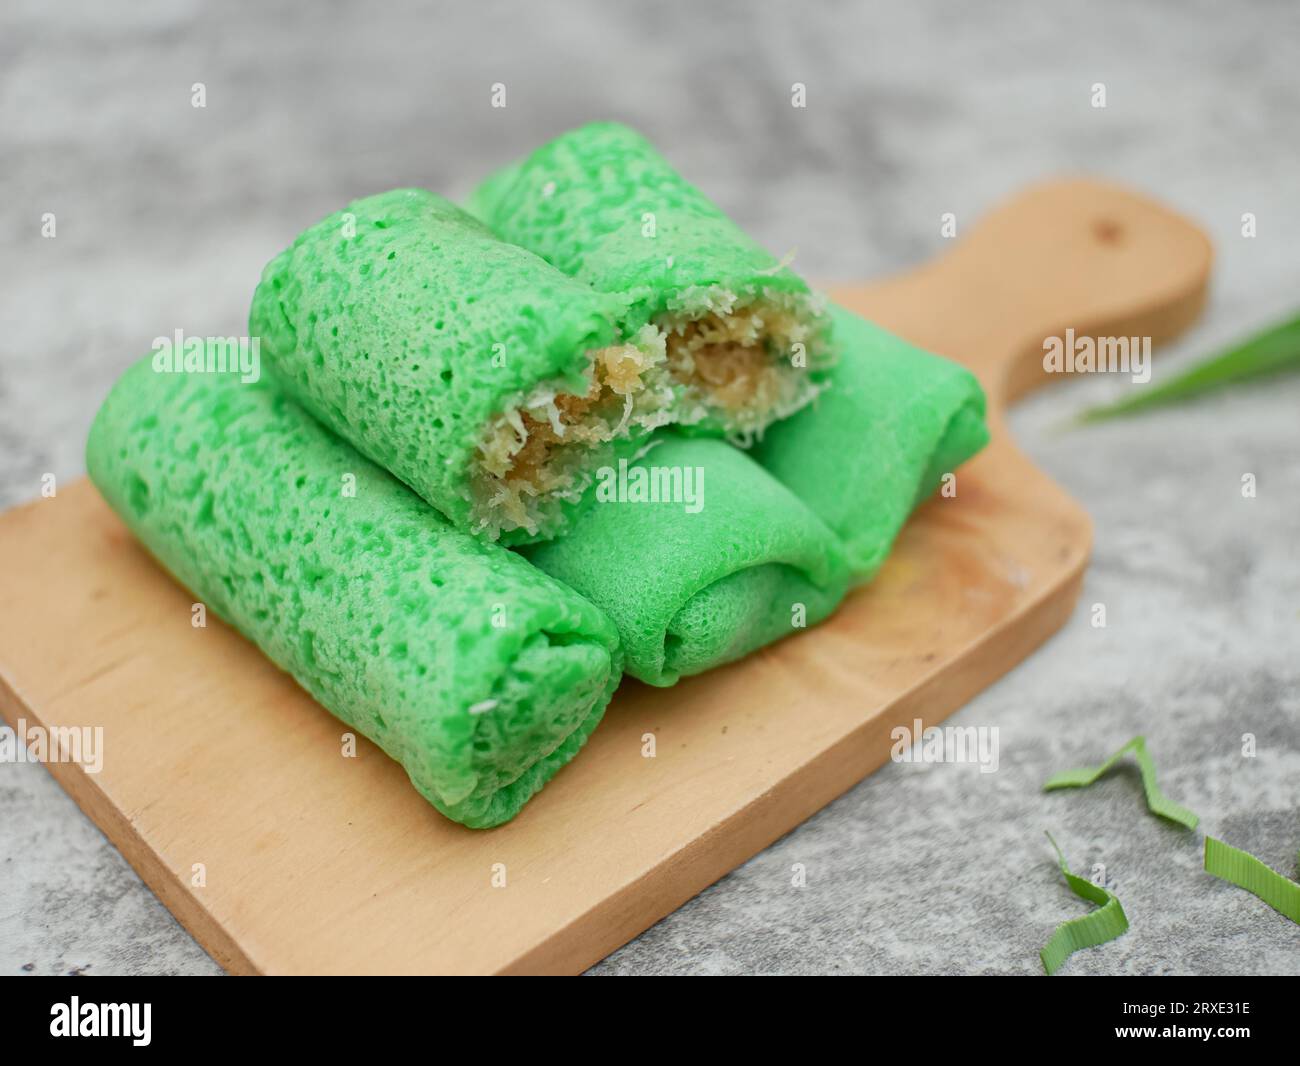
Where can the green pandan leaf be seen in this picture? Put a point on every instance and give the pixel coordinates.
(1088, 930)
(1157, 801)
(1245, 871)
(1274, 351)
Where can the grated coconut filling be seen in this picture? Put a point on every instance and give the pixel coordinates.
(736, 360)
(539, 451)
(724, 359)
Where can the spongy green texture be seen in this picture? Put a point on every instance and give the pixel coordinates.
(879, 440)
(586, 202)
(690, 591)
(405, 326)
(478, 673)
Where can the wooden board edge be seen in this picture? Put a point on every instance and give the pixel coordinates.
(120, 832)
(1024, 373)
(618, 918)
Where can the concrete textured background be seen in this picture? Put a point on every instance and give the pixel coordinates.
(166, 214)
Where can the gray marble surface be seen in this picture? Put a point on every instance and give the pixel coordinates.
(166, 213)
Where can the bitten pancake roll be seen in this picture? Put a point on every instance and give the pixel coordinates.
(478, 673)
(744, 335)
(477, 374)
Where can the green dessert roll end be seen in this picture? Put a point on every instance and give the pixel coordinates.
(478, 673)
(699, 556)
(892, 423)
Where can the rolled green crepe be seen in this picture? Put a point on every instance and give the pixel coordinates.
(478, 673)
(699, 557)
(878, 441)
(486, 380)
(743, 331)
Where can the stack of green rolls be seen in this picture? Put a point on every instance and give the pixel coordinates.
(502, 455)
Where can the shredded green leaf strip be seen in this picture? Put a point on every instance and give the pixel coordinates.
(1274, 350)
(1157, 801)
(1088, 930)
(1245, 871)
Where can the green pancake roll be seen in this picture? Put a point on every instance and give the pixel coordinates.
(486, 380)
(478, 673)
(878, 441)
(745, 336)
(699, 556)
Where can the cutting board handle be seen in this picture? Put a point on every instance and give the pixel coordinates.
(1070, 254)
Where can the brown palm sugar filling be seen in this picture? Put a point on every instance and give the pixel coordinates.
(528, 462)
(739, 365)
(735, 368)
(728, 371)
(533, 450)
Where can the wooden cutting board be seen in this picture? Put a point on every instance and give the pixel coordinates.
(316, 863)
